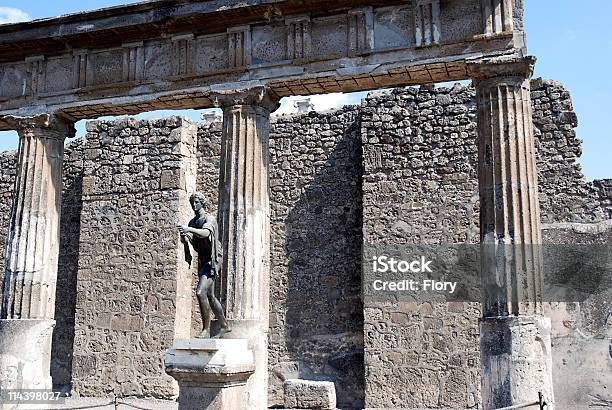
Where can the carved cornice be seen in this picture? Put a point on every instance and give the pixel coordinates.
(41, 125)
(500, 67)
(259, 96)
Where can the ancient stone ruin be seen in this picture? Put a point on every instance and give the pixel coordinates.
(94, 267)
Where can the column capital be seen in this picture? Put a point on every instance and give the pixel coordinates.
(483, 69)
(260, 96)
(52, 125)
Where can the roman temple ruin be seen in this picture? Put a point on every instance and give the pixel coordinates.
(94, 266)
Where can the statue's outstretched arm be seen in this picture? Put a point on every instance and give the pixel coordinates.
(201, 233)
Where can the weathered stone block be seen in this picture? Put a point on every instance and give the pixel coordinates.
(172, 179)
(309, 394)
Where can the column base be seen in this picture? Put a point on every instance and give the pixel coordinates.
(516, 361)
(211, 373)
(256, 333)
(241, 329)
(25, 353)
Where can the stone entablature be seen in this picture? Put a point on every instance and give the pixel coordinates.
(130, 59)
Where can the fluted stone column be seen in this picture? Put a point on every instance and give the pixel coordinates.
(30, 274)
(515, 338)
(244, 220)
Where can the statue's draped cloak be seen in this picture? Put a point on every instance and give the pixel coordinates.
(209, 249)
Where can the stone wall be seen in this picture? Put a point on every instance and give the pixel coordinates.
(582, 328)
(401, 168)
(316, 315)
(316, 320)
(580, 213)
(132, 290)
(420, 187)
(8, 170)
(68, 266)
(565, 195)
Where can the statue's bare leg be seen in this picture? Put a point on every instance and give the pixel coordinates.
(217, 310)
(205, 310)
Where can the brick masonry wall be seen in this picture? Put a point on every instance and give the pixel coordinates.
(68, 266)
(401, 166)
(316, 320)
(582, 330)
(565, 195)
(576, 212)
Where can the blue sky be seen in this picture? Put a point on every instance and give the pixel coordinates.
(570, 38)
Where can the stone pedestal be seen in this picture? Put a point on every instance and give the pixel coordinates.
(25, 353)
(516, 360)
(244, 223)
(212, 373)
(515, 340)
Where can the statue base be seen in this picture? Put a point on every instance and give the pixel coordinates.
(211, 373)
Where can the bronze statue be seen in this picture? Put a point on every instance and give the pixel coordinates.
(201, 233)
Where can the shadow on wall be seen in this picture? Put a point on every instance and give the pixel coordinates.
(322, 247)
(65, 301)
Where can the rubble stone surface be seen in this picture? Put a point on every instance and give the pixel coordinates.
(121, 298)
